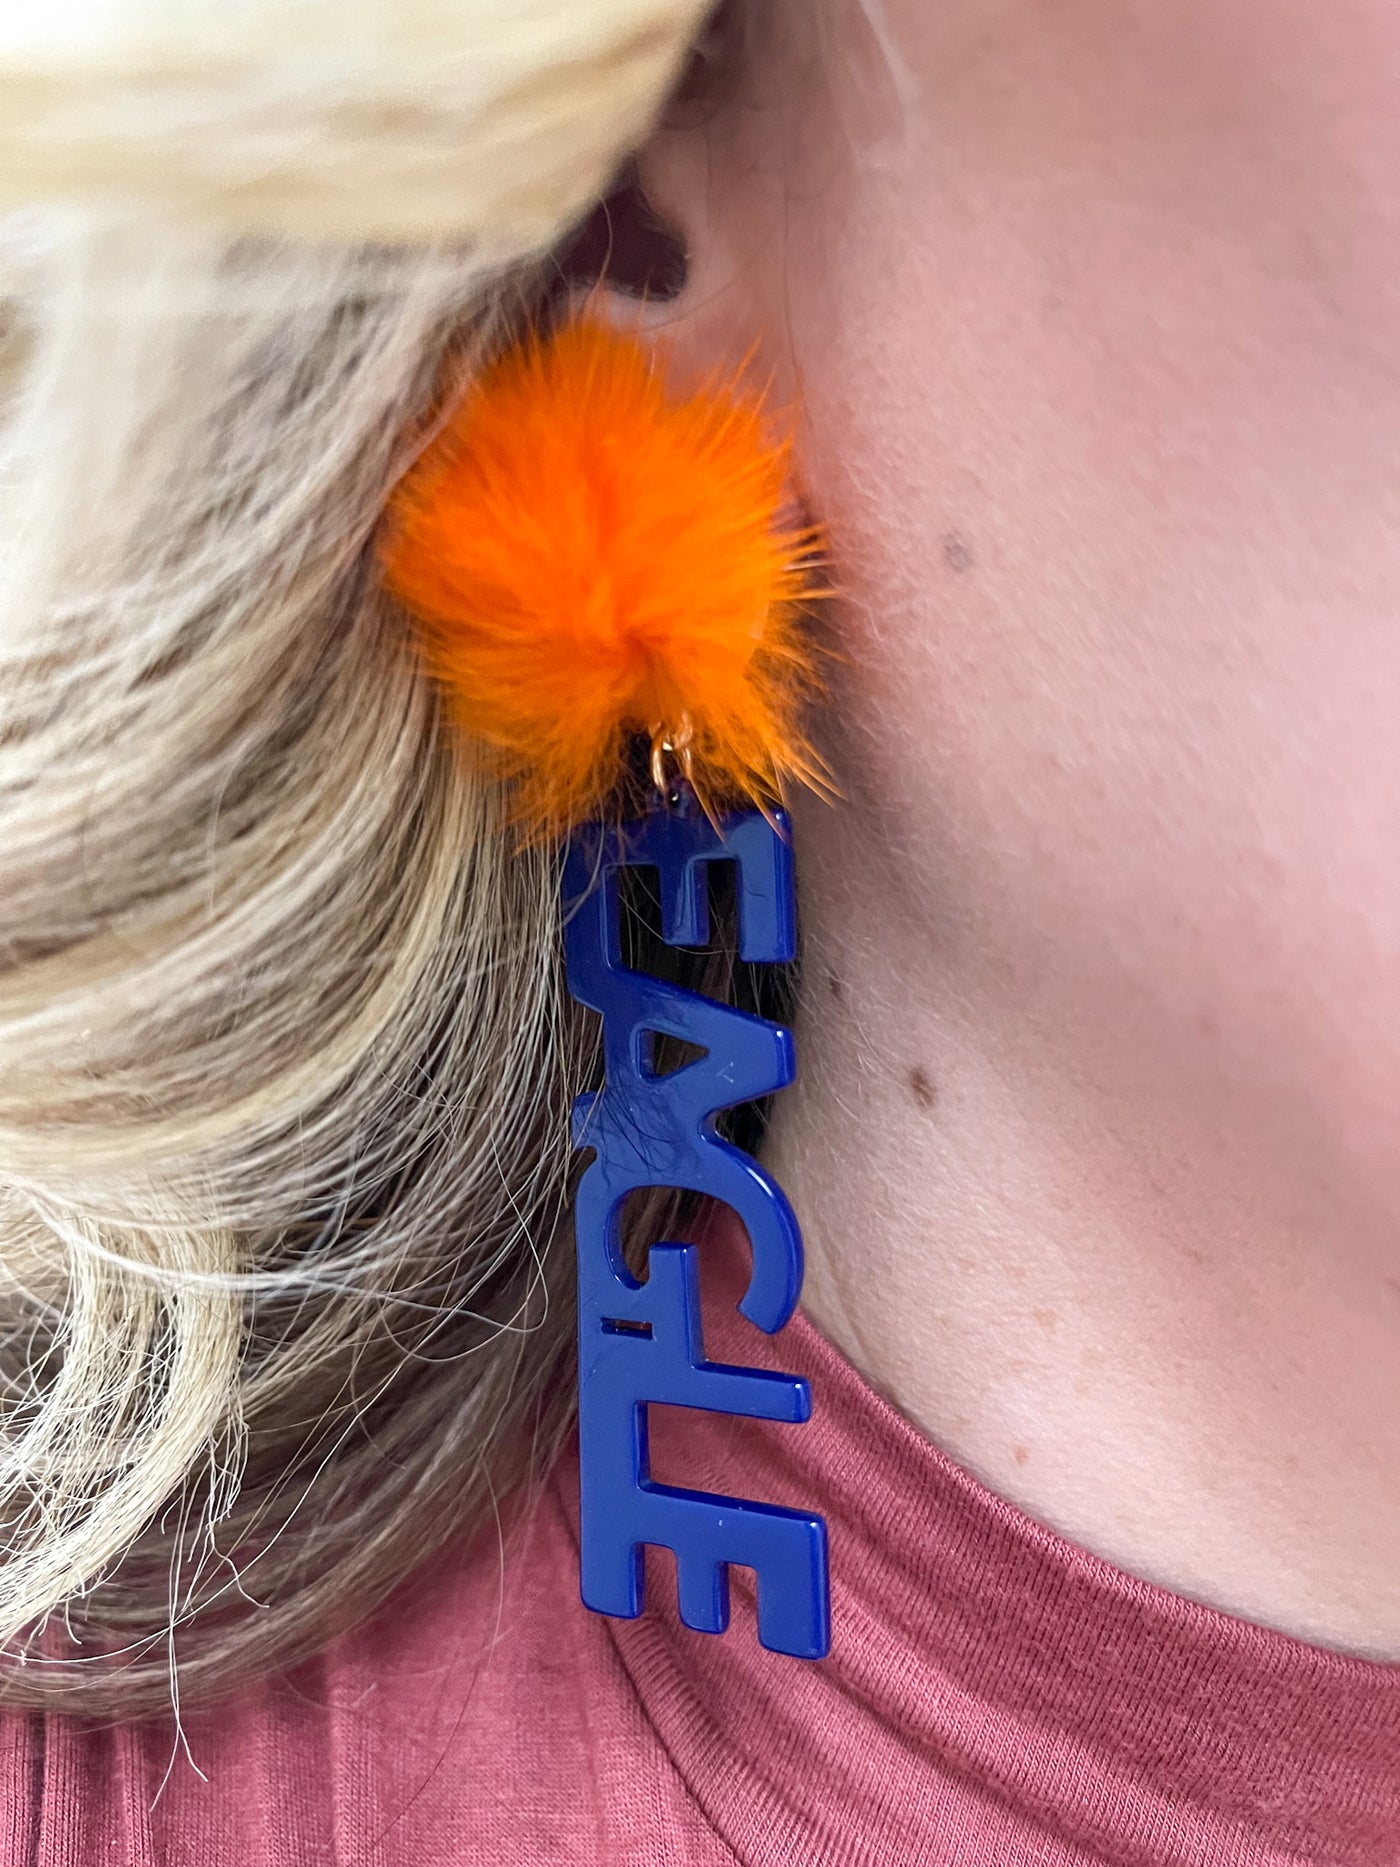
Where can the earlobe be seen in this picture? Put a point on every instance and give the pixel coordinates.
(658, 250)
(657, 259)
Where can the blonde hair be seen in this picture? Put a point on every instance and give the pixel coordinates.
(284, 1057)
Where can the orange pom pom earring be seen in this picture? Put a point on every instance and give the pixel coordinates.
(590, 557)
(593, 560)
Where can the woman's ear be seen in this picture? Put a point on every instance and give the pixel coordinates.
(668, 253)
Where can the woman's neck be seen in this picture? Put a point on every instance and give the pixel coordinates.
(1068, 1266)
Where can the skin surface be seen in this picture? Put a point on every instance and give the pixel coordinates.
(1092, 312)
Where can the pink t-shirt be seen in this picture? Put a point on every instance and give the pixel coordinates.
(995, 1697)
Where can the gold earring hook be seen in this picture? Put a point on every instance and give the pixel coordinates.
(678, 745)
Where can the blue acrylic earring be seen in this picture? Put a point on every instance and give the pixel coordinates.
(594, 560)
(639, 1343)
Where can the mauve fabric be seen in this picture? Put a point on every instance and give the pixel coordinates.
(995, 1697)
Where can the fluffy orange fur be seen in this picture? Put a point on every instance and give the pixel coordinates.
(590, 556)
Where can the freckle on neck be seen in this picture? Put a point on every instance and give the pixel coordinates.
(957, 553)
(922, 1089)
